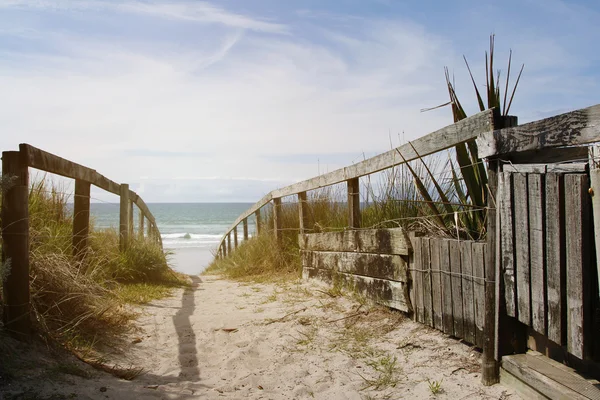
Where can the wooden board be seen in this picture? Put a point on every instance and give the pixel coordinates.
(573, 128)
(417, 278)
(521, 210)
(468, 295)
(577, 218)
(390, 293)
(479, 290)
(555, 259)
(507, 242)
(548, 155)
(545, 168)
(427, 293)
(380, 241)
(436, 283)
(535, 185)
(384, 266)
(457, 291)
(523, 390)
(447, 301)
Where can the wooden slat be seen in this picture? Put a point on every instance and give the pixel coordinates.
(521, 210)
(436, 283)
(535, 185)
(573, 128)
(468, 295)
(479, 290)
(427, 295)
(442, 139)
(390, 293)
(391, 267)
(544, 168)
(507, 242)
(457, 291)
(577, 219)
(42, 160)
(417, 275)
(555, 258)
(523, 390)
(381, 241)
(448, 320)
(548, 155)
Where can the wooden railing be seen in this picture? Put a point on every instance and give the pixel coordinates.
(15, 221)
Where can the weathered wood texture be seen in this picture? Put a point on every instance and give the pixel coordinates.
(417, 277)
(466, 257)
(81, 218)
(383, 266)
(302, 212)
(15, 245)
(457, 291)
(445, 273)
(594, 157)
(354, 219)
(536, 252)
(546, 168)
(382, 241)
(573, 128)
(507, 242)
(258, 222)
(245, 228)
(235, 238)
(478, 252)
(436, 283)
(521, 212)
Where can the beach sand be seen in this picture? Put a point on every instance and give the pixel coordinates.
(190, 260)
(230, 340)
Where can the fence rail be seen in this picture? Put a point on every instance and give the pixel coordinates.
(15, 222)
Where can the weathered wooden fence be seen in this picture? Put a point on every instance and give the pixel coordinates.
(15, 222)
(459, 286)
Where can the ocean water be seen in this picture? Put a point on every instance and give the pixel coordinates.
(190, 231)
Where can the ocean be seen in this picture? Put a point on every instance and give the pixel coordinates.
(190, 231)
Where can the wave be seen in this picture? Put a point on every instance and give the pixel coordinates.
(186, 235)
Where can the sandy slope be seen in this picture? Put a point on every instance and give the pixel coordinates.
(223, 339)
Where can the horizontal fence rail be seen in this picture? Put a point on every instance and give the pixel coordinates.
(15, 222)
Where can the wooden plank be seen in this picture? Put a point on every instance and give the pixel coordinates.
(235, 238)
(548, 155)
(594, 157)
(245, 228)
(417, 278)
(448, 318)
(229, 243)
(507, 242)
(427, 293)
(124, 217)
(521, 210)
(555, 258)
(391, 267)
(354, 219)
(573, 128)
(479, 290)
(389, 293)
(15, 245)
(577, 253)
(380, 241)
(258, 222)
(81, 218)
(436, 283)
(468, 295)
(535, 185)
(45, 161)
(547, 379)
(302, 212)
(457, 291)
(523, 390)
(544, 168)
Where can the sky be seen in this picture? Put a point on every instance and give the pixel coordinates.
(208, 101)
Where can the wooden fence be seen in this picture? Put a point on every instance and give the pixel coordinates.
(15, 222)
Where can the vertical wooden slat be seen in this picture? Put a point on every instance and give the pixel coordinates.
(130, 224)
(555, 258)
(479, 290)
(417, 278)
(235, 238)
(277, 218)
(245, 228)
(457, 291)
(521, 209)
(302, 212)
(15, 244)
(124, 217)
(224, 248)
(141, 224)
(577, 218)
(229, 243)
(427, 295)
(258, 222)
(594, 157)
(81, 218)
(436, 283)
(507, 242)
(354, 218)
(535, 195)
(466, 258)
(149, 230)
(447, 322)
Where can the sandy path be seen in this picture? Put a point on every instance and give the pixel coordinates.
(223, 339)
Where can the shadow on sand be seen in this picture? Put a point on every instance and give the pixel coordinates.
(188, 356)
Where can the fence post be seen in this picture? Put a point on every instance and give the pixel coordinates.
(302, 212)
(131, 227)
(229, 243)
(258, 222)
(224, 248)
(595, 193)
(15, 244)
(354, 218)
(141, 225)
(277, 219)
(245, 224)
(235, 238)
(81, 218)
(124, 217)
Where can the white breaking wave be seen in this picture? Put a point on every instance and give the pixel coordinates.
(185, 235)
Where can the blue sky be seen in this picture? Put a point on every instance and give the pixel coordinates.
(227, 100)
